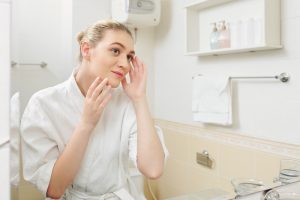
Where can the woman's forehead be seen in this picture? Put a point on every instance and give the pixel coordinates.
(118, 36)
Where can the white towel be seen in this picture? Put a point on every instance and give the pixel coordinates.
(15, 115)
(211, 101)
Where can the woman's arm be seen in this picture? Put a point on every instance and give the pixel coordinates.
(150, 154)
(68, 163)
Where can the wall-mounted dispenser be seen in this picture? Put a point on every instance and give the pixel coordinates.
(136, 13)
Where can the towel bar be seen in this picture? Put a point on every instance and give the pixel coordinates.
(4, 144)
(42, 64)
(283, 77)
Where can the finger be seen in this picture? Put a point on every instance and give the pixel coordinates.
(105, 101)
(104, 92)
(124, 83)
(141, 64)
(135, 64)
(93, 86)
(99, 89)
(131, 75)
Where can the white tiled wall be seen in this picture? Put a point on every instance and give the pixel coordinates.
(4, 97)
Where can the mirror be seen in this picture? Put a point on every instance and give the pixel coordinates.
(44, 52)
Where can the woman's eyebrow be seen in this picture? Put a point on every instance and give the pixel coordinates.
(120, 44)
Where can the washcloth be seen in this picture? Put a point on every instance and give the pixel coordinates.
(211, 101)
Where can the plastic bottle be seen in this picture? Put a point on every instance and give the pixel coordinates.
(258, 31)
(235, 34)
(224, 37)
(214, 37)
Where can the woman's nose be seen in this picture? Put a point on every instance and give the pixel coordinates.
(124, 62)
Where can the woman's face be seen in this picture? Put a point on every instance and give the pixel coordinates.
(111, 57)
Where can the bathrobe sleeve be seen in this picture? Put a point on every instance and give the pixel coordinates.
(39, 149)
(133, 137)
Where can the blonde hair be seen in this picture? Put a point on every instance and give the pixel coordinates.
(95, 33)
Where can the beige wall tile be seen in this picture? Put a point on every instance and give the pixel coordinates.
(174, 181)
(183, 175)
(177, 144)
(28, 191)
(267, 166)
(199, 180)
(225, 184)
(236, 162)
(198, 144)
(14, 193)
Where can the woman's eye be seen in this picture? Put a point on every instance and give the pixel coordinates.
(115, 51)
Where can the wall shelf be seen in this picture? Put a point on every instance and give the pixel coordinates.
(200, 14)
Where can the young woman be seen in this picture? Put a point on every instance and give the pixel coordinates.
(79, 136)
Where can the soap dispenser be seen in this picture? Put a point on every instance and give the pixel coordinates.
(224, 36)
(214, 35)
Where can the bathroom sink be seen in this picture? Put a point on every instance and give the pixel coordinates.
(289, 196)
(210, 194)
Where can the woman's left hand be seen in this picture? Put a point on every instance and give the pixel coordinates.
(136, 89)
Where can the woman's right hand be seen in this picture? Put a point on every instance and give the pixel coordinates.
(97, 97)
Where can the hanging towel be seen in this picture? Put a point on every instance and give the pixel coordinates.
(211, 101)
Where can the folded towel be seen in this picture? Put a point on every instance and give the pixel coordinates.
(211, 101)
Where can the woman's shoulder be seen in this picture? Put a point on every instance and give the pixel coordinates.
(49, 94)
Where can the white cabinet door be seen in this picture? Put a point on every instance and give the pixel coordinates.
(4, 69)
(4, 97)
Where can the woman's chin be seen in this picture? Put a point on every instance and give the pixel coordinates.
(114, 83)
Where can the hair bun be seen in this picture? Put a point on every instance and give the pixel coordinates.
(80, 36)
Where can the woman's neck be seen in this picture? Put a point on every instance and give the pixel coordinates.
(83, 79)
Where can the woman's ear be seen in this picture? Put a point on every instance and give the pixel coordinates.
(85, 50)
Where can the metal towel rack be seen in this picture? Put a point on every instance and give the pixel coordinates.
(283, 77)
(3, 144)
(42, 64)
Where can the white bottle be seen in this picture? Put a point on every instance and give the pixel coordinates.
(214, 37)
(258, 31)
(250, 32)
(235, 34)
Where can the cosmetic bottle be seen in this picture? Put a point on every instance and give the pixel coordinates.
(214, 35)
(258, 31)
(224, 36)
(235, 34)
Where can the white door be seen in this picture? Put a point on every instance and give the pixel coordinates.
(4, 97)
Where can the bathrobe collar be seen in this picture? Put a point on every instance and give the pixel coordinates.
(75, 93)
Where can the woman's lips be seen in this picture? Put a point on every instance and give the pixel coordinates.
(119, 74)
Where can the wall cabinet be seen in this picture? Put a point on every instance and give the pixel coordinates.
(200, 14)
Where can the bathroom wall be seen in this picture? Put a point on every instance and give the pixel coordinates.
(37, 36)
(265, 109)
(234, 156)
(4, 94)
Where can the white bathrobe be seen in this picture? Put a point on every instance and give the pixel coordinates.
(47, 125)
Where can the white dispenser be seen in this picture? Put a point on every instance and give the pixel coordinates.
(136, 13)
